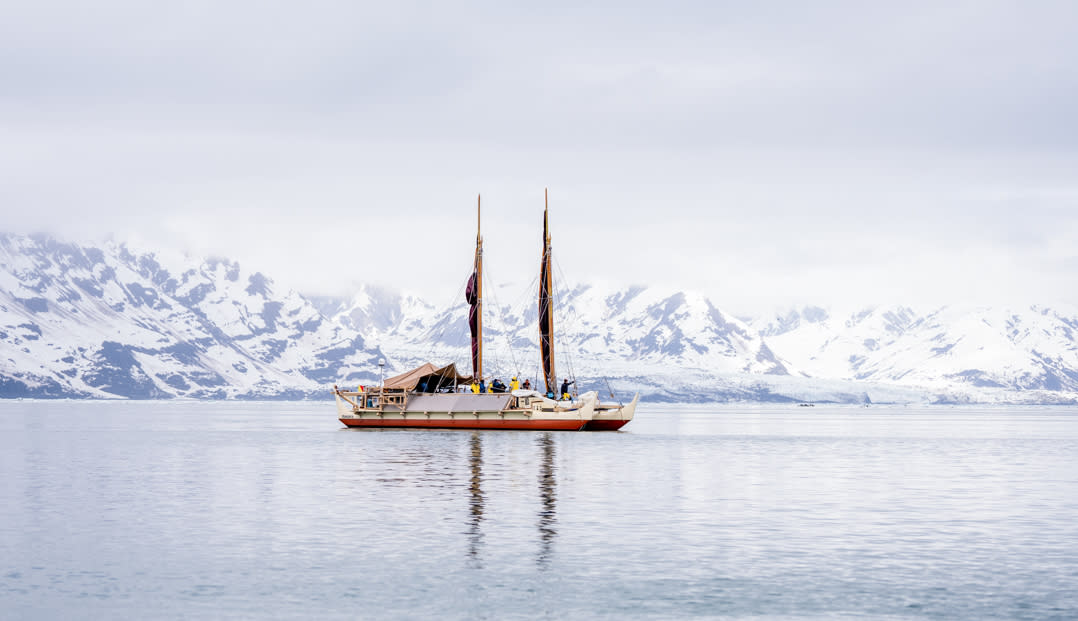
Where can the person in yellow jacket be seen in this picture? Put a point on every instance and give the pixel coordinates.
(475, 387)
(513, 384)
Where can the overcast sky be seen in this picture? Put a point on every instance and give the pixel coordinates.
(767, 153)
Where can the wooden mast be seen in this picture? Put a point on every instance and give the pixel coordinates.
(479, 287)
(546, 306)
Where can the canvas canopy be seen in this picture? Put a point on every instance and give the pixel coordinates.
(429, 374)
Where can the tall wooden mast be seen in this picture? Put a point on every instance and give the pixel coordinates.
(546, 310)
(474, 295)
(478, 371)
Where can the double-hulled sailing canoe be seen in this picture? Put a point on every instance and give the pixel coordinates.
(398, 403)
(434, 397)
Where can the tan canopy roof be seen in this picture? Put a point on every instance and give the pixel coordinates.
(444, 376)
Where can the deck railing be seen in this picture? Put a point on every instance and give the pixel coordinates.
(376, 398)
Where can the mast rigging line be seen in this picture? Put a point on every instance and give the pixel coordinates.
(492, 296)
(556, 306)
(560, 299)
(445, 327)
(458, 330)
(611, 391)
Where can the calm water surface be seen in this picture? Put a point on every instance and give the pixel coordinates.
(166, 510)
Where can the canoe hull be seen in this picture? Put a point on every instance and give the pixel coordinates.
(464, 423)
(614, 419)
(604, 425)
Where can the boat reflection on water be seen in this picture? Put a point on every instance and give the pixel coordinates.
(547, 499)
(475, 533)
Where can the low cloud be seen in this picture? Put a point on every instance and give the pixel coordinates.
(771, 153)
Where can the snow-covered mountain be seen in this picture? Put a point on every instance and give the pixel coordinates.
(1033, 348)
(110, 320)
(679, 346)
(672, 344)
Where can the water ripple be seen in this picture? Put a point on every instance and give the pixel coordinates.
(270, 510)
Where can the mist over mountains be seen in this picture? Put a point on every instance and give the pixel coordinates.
(109, 321)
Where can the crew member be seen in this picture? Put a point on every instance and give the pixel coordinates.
(565, 388)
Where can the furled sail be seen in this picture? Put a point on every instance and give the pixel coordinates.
(473, 294)
(472, 297)
(546, 311)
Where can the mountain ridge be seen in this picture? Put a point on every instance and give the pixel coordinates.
(112, 321)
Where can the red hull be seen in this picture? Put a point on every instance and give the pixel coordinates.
(535, 425)
(604, 425)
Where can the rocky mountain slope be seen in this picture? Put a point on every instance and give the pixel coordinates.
(109, 320)
(78, 321)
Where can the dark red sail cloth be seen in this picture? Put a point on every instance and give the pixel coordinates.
(471, 294)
